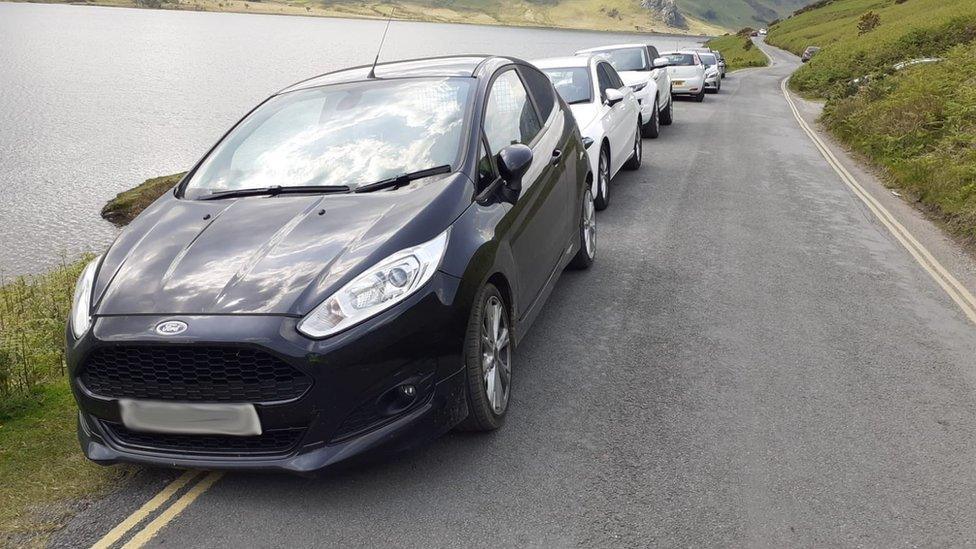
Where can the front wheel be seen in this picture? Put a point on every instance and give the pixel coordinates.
(653, 128)
(637, 154)
(587, 250)
(488, 361)
(602, 199)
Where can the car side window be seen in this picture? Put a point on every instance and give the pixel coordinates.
(603, 77)
(652, 53)
(510, 117)
(541, 89)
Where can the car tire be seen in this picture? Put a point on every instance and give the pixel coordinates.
(701, 95)
(587, 252)
(637, 154)
(487, 362)
(718, 87)
(667, 116)
(653, 127)
(602, 199)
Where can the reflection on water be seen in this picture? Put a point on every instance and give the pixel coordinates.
(95, 100)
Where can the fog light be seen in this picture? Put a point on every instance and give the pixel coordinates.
(408, 390)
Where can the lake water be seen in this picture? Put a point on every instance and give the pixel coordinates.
(95, 100)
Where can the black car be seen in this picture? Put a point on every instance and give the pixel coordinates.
(346, 272)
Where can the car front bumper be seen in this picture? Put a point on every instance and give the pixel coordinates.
(345, 411)
(711, 82)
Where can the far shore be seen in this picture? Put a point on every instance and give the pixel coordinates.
(273, 7)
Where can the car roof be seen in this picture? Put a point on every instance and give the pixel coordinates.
(682, 52)
(458, 66)
(564, 62)
(611, 47)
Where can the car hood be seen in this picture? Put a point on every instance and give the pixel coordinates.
(265, 255)
(585, 114)
(632, 78)
(686, 72)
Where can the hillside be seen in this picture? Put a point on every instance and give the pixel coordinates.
(700, 17)
(916, 123)
(735, 14)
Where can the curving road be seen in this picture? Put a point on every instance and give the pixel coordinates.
(753, 361)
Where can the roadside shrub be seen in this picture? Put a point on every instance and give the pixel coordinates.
(868, 22)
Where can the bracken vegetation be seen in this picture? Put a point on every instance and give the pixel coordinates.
(916, 122)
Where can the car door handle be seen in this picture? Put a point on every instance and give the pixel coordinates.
(557, 157)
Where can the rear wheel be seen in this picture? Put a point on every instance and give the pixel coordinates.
(653, 128)
(488, 361)
(701, 95)
(602, 199)
(667, 115)
(587, 252)
(637, 155)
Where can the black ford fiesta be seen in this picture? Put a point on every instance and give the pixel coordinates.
(347, 271)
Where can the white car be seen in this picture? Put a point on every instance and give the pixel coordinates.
(687, 74)
(606, 111)
(713, 73)
(639, 65)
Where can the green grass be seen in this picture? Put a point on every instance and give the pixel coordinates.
(738, 51)
(42, 470)
(917, 125)
(41, 466)
(122, 209)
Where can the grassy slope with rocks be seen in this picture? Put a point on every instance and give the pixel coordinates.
(918, 124)
(739, 52)
(734, 14)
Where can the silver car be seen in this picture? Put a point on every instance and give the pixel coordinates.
(713, 74)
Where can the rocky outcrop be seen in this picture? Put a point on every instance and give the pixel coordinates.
(668, 11)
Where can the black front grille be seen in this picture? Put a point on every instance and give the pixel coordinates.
(210, 374)
(270, 443)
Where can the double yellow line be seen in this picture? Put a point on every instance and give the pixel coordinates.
(203, 482)
(963, 298)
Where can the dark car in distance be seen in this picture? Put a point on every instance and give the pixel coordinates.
(346, 272)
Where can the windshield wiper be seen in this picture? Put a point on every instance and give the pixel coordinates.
(403, 179)
(276, 190)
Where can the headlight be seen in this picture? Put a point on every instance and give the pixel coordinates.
(81, 303)
(638, 87)
(380, 287)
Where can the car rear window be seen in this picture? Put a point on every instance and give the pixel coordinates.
(573, 84)
(681, 59)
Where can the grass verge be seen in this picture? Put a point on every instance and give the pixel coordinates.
(739, 52)
(42, 472)
(916, 124)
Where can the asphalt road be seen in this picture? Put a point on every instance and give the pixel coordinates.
(753, 361)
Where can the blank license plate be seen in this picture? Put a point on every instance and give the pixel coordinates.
(190, 418)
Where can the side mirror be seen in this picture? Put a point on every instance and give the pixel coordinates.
(613, 96)
(513, 162)
(660, 63)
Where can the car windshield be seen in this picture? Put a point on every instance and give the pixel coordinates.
(708, 59)
(573, 84)
(680, 59)
(627, 59)
(341, 135)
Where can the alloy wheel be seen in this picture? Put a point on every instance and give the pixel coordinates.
(496, 355)
(589, 226)
(639, 147)
(604, 185)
